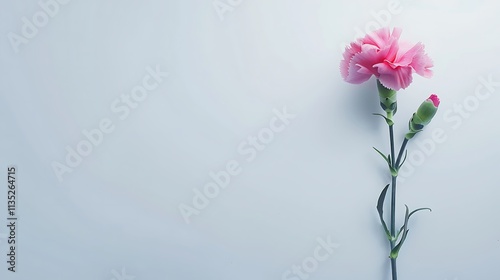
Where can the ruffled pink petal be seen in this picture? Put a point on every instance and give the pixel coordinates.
(390, 52)
(378, 37)
(406, 57)
(396, 33)
(357, 74)
(382, 37)
(421, 63)
(361, 65)
(349, 52)
(395, 79)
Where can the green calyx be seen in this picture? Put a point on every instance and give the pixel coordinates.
(388, 99)
(426, 112)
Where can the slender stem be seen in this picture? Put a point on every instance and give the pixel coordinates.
(393, 225)
(393, 200)
(394, 269)
(393, 196)
(391, 136)
(393, 193)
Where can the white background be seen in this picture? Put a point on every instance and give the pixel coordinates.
(319, 177)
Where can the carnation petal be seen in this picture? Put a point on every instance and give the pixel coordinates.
(395, 79)
(350, 51)
(421, 64)
(382, 37)
(378, 37)
(435, 99)
(405, 58)
(361, 65)
(390, 53)
(357, 74)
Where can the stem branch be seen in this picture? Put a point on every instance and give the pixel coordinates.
(401, 150)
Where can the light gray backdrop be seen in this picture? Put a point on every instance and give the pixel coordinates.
(116, 158)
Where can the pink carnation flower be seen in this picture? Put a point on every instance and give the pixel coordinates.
(382, 55)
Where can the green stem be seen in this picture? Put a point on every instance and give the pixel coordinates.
(393, 194)
(394, 270)
(393, 200)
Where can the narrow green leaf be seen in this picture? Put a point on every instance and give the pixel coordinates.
(387, 120)
(415, 211)
(381, 154)
(419, 209)
(404, 159)
(395, 250)
(380, 209)
(393, 171)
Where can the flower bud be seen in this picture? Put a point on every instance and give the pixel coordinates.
(423, 116)
(387, 99)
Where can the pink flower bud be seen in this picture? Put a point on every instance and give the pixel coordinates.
(435, 100)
